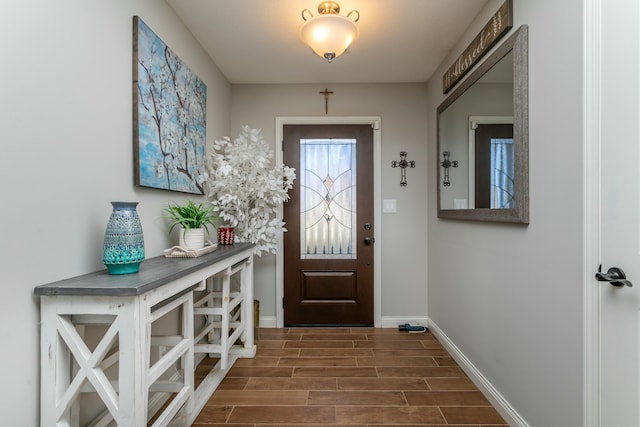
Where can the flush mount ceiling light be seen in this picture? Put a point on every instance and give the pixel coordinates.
(329, 34)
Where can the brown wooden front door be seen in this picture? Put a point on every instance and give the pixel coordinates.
(328, 248)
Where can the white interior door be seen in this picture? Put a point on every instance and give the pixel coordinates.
(620, 217)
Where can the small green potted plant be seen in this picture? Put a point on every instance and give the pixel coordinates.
(194, 218)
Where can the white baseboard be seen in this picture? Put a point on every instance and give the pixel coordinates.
(267, 322)
(510, 415)
(386, 322)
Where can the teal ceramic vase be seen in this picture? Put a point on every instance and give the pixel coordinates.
(123, 241)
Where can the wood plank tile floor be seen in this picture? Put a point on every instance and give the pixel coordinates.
(346, 377)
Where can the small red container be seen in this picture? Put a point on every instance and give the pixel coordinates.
(225, 235)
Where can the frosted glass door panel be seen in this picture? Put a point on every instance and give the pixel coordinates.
(328, 198)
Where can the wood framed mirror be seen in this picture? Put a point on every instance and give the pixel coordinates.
(483, 140)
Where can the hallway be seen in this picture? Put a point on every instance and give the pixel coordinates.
(346, 376)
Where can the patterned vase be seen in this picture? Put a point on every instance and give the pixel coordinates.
(123, 241)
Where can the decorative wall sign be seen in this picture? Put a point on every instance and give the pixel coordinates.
(497, 27)
(169, 115)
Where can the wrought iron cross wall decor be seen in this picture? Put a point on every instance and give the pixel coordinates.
(446, 164)
(403, 164)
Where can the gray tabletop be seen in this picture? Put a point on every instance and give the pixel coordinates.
(154, 272)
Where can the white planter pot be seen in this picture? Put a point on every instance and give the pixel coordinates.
(192, 238)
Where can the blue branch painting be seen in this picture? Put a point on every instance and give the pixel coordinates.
(170, 110)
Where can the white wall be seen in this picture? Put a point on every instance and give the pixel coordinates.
(510, 296)
(402, 108)
(66, 131)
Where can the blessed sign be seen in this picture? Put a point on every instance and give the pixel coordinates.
(497, 26)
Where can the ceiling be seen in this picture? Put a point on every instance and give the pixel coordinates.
(257, 41)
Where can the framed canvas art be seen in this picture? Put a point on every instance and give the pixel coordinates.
(169, 115)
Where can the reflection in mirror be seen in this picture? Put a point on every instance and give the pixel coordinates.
(491, 162)
(483, 126)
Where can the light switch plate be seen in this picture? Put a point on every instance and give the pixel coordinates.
(389, 206)
(460, 203)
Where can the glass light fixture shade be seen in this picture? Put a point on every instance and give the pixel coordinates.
(329, 35)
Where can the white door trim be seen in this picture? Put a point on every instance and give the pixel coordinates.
(591, 130)
(374, 121)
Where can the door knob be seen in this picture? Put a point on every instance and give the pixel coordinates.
(614, 275)
(368, 240)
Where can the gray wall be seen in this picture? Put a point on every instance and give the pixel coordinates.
(66, 126)
(402, 108)
(510, 297)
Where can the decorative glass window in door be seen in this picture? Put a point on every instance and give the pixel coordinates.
(502, 173)
(328, 198)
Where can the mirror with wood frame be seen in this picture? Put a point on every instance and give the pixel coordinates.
(483, 147)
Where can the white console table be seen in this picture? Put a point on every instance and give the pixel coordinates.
(133, 382)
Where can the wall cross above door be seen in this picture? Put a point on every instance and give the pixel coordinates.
(326, 92)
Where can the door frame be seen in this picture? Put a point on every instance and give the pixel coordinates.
(374, 121)
(591, 145)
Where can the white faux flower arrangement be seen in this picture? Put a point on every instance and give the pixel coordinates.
(246, 189)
